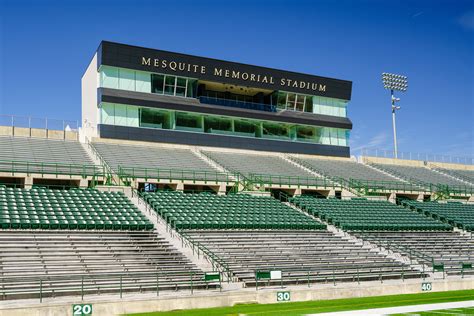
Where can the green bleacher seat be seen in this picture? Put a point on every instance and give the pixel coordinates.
(457, 214)
(41, 208)
(235, 211)
(369, 215)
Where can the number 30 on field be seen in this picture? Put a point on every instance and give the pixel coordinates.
(283, 296)
(81, 309)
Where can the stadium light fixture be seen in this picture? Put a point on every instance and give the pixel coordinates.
(394, 82)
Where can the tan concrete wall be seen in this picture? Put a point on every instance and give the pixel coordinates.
(55, 134)
(21, 131)
(149, 303)
(450, 166)
(39, 132)
(392, 161)
(70, 135)
(415, 163)
(6, 131)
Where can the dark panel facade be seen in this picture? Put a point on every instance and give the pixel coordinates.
(197, 139)
(158, 61)
(193, 105)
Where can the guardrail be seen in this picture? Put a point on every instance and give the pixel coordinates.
(197, 248)
(328, 276)
(111, 283)
(127, 173)
(298, 181)
(369, 152)
(110, 173)
(368, 186)
(391, 245)
(38, 122)
(51, 168)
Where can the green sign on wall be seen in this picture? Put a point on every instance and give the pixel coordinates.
(283, 296)
(81, 309)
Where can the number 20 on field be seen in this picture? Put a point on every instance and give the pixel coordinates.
(81, 309)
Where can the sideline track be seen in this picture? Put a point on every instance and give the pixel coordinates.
(407, 309)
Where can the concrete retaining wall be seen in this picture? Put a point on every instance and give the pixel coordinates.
(149, 303)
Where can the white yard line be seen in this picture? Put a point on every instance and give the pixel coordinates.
(404, 309)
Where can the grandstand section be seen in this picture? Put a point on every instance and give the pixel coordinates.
(62, 240)
(253, 233)
(423, 176)
(353, 174)
(450, 252)
(235, 211)
(455, 213)
(157, 163)
(41, 208)
(465, 175)
(266, 169)
(393, 227)
(303, 256)
(367, 215)
(73, 262)
(47, 159)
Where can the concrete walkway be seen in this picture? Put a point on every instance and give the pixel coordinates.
(407, 309)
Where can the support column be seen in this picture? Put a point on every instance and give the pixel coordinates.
(222, 189)
(28, 182)
(392, 198)
(83, 183)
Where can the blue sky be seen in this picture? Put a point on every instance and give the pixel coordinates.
(46, 46)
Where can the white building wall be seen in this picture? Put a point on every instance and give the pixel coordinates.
(90, 112)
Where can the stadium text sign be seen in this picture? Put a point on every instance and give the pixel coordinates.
(178, 66)
(81, 309)
(283, 296)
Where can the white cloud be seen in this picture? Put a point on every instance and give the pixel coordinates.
(378, 141)
(467, 20)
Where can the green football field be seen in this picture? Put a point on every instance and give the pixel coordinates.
(311, 307)
(439, 312)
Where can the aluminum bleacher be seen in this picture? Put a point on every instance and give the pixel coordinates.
(302, 256)
(350, 171)
(56, 263)
(265, 168)
(252, 233)
(421, 175)
(156, 162)
(465, 175)
(451, 249)
(37, 155)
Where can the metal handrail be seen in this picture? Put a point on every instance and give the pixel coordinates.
(110, 172)
(15, 166)
(195, 245)
(125, 173)
(393, 245)
(368, 185)
(291, 180)
(86, 283)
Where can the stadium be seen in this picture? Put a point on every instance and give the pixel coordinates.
(195, 183)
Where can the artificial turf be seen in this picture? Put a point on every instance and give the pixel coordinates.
(312, 307)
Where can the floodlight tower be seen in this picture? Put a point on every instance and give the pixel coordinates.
(399, 83)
